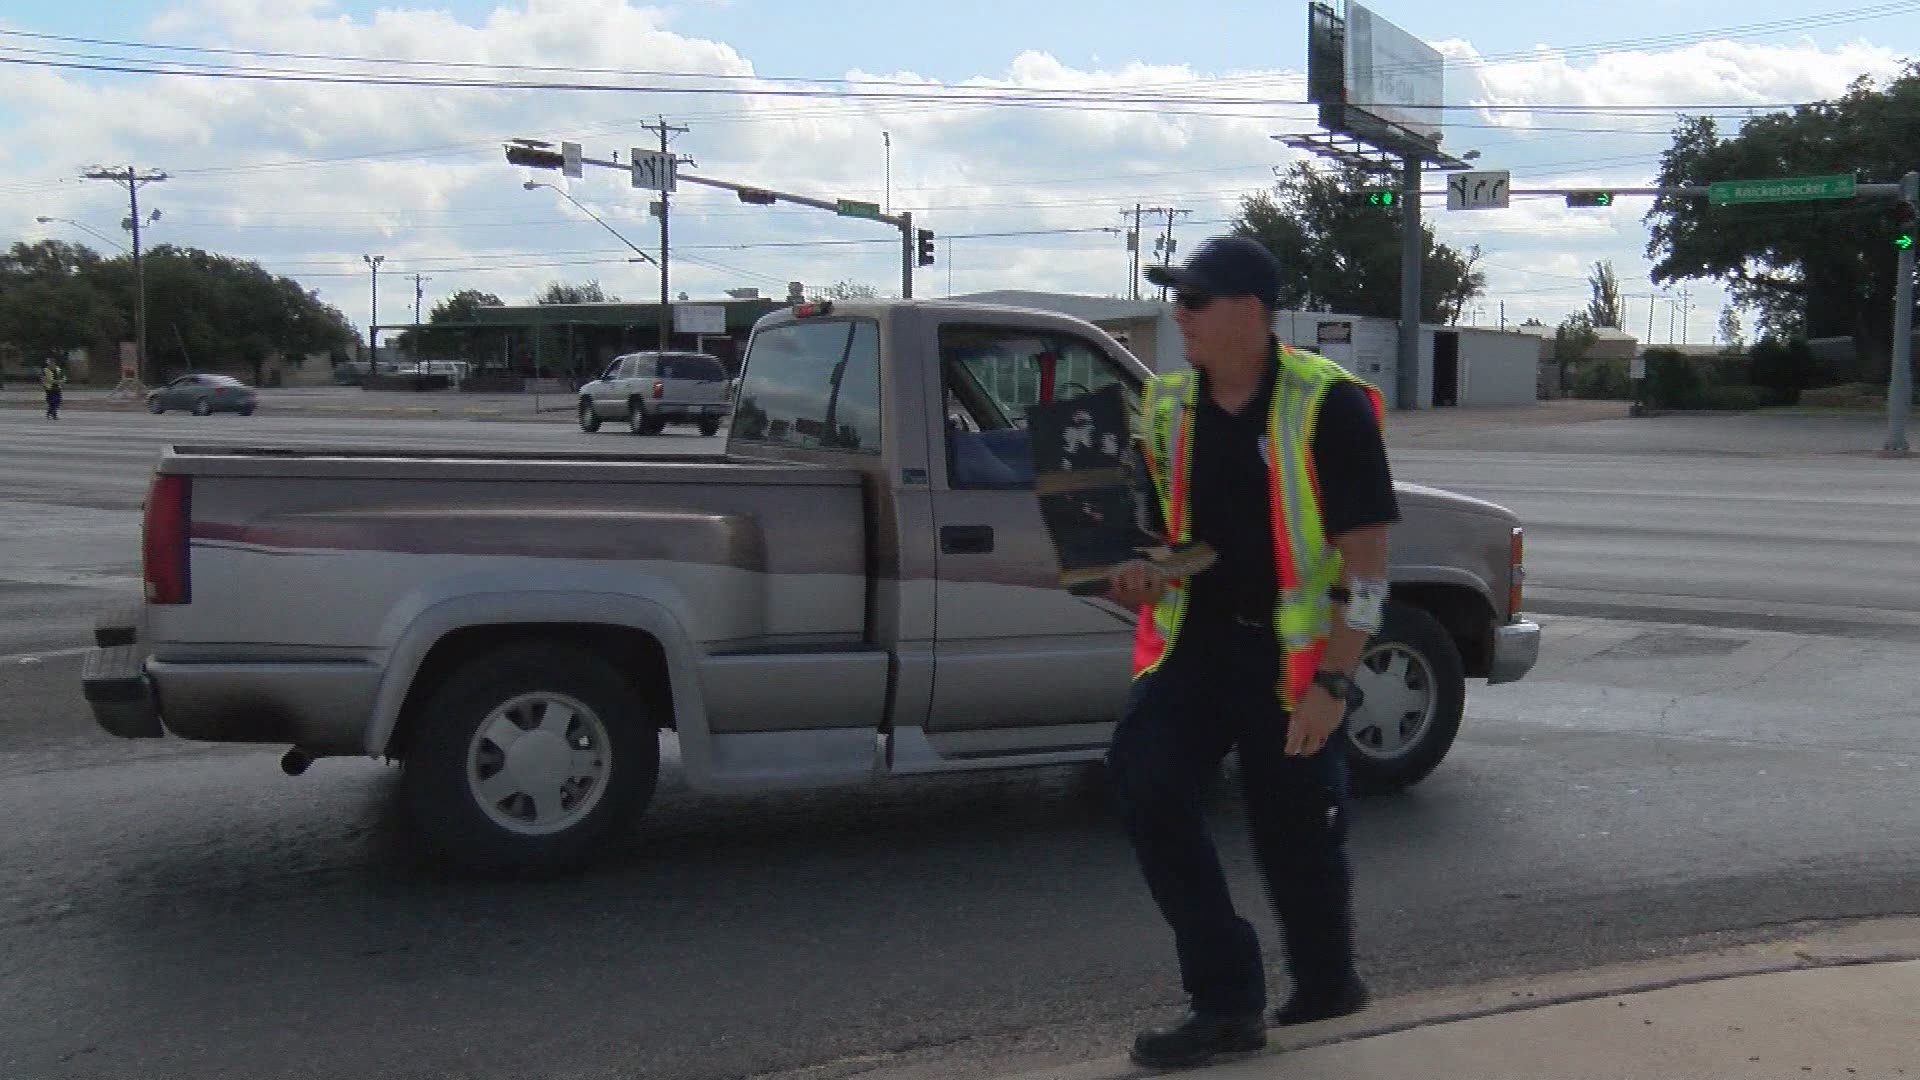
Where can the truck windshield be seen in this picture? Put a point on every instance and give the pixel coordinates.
(812, 384)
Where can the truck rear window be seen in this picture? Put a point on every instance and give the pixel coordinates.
(814, 385)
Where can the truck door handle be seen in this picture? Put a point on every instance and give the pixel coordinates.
(966, 539)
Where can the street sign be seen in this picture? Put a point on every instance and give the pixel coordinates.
(653, 170)
(855, 208)
(1479, 190)
(1791, 189)
(570, 160)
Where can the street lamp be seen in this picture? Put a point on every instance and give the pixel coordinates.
(643, 256)
(373, 317)
(88, 229)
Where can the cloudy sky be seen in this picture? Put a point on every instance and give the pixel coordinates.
(308, 176)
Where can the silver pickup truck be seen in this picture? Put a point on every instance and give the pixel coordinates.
(860, 586)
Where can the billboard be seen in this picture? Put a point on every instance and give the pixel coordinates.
(1374, 81)
(1392, 75)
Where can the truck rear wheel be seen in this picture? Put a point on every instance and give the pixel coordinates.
(526, 759)
(1416, 691)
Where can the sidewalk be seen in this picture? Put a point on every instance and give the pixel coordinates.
(337, 401)
(1839, 1004)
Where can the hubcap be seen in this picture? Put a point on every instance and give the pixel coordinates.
(538, 764)
(1401, 701)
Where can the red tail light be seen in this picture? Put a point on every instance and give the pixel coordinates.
(1516, 583)
(659, 389)
(164, 538)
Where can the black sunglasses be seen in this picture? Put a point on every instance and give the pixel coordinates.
(1194, 301)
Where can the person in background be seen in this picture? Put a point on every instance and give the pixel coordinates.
(53, 379)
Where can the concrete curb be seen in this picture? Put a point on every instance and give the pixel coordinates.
(1878, 941)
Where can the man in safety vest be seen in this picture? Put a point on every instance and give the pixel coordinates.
(1274, 457)
(53, 380)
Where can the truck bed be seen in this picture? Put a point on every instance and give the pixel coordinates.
(373, 463)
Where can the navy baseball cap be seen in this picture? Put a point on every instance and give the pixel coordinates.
(1225, 266)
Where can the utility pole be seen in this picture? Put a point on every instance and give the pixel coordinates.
(1133, 249)
(373, 317)
(907, 253)
(133, 181)
(1900, 380)
(1503, 314)
(418, 292)
(1165, 244)
(887, 137)
(666, 132)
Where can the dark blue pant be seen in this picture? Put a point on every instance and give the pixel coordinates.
(1217, 693)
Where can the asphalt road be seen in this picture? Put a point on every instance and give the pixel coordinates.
(174, 910)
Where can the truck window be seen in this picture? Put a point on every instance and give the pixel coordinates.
(990, 376)
(813, 384)
(695, 367)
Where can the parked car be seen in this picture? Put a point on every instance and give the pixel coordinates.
(650, 390)
(857, 588)
(202, 393)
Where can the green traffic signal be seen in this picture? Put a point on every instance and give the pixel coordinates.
(1375, 197)
(1904, 241)
(1380, 198)
(1589, 198)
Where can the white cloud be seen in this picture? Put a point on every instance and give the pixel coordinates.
(451, 202)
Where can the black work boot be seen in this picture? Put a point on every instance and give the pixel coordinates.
(1198, 1039)
(1309, 1006)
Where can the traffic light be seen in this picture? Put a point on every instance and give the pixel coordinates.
(1371, 197)
(1903, 225)
(926, 247)
(534, 155)
(1589, 198)
(756, 196)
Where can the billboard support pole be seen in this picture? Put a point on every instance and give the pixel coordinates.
(1407, 382)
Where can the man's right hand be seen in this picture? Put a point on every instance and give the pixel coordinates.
(1136, 583)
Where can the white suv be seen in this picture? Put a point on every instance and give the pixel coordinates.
(650, 390)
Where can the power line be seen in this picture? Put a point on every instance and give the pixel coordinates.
(1797, 23)
(1026, 98)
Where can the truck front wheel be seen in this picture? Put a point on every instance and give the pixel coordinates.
(527, 759)
(1416, 691)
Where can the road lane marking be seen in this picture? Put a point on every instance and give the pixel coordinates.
(37, 657)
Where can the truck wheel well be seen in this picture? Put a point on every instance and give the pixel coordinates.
(1466, 615)
(635, 654)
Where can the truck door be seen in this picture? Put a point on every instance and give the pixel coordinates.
(1013, 648)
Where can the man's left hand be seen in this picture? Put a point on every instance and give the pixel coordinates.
(1314, 719)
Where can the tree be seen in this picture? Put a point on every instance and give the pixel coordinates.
(463, 306)
(1336, 257)
(51, 301)
(1606, 308)
(844, 290)
(1573, 339)
(459, 308)
(204, 310)
(559, 292)
(1730, 338)
(213, 311)
(1811, 269)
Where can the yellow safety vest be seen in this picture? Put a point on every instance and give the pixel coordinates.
(1308, 567)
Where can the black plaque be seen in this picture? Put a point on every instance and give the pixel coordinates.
(1094, 506)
